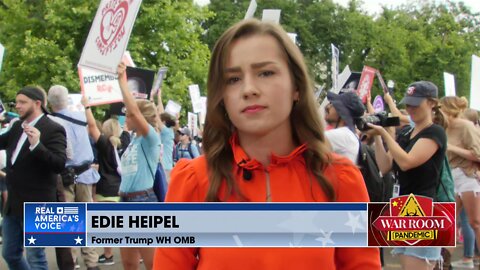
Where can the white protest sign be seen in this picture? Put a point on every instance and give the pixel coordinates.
(75, 103)
(203, 111)
(2, 52)
(195, 97)
(251, 10)
(475, 84)
(99, 87)
(173, 108)
(342, 79)
(335, 66)
(449, 81)
(192, 123)
(109, 34)
(271, 15)
(293, 37)
(159, 80)
(127, 59)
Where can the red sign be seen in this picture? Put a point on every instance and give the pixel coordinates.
(365, 83)
(411, 220)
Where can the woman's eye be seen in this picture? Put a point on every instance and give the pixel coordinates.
(266, 73)
(233, 80)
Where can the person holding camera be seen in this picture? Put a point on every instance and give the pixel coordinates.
(415, 158)
(340, 114)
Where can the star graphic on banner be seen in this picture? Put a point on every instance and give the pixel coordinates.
(298, 224)
(326, 239)
(395, 203)
(31, 240)
(353, 222)
(78, 240)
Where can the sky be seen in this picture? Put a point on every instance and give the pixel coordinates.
(374, 6)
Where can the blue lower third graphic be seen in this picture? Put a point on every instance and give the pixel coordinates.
(55, 224)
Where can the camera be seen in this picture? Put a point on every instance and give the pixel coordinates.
(379, 119)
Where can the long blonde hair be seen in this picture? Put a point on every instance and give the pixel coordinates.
(306, 124)
(111, 129)
(454, 106)
(149, 111)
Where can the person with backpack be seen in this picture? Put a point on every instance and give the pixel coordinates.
(416, 158)
(185, 148)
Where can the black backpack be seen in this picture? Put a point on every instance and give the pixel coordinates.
(377, 185)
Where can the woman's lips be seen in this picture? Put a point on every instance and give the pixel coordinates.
(253, 109)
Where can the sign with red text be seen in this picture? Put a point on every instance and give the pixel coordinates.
(109, 34)
(365, 83)
(410, 220)
(99, 87)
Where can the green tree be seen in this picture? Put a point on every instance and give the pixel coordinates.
(44, 40)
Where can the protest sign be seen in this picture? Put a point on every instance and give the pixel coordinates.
(365, 83)
(475, 84)
(2, 107)
(449, 82)
(271, 15)
(378, 104)
(109, 34)
(140, 81)
(192, 123)
(2, 52)
(173, 108)
(161, 74)
(335, 66)
(203, 111)
(99, 87)
(251, 9)
(127, 59)
(382, 82)
(293, 37)
(194, 91)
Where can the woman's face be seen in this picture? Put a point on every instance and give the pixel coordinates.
(259, 90)
(419, 113)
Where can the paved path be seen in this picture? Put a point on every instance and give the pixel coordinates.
(391, 263)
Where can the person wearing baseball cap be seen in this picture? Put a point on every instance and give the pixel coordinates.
(415, 157)
(340, 114)
(36, 154)
(417, 92)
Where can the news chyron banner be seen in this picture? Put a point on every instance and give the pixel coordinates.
(227, 225)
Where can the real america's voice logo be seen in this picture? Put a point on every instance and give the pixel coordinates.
(62, 224)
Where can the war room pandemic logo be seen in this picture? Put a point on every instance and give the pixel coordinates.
(112, 28)
(411, 220)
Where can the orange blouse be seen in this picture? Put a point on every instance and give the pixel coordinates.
(289, 182)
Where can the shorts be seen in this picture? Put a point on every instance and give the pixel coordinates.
(464, 183)
(430, 254)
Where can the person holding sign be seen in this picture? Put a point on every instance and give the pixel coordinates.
(263, 142)
(138, 162)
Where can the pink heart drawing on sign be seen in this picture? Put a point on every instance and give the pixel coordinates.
(112, 22)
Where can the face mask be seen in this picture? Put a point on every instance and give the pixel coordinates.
(412, 124)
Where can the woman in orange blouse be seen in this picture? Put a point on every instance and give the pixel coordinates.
(263, 142)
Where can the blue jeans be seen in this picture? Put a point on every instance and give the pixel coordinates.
(12, 231)
(468, 236)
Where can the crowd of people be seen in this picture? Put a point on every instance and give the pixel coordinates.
(262, 117)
